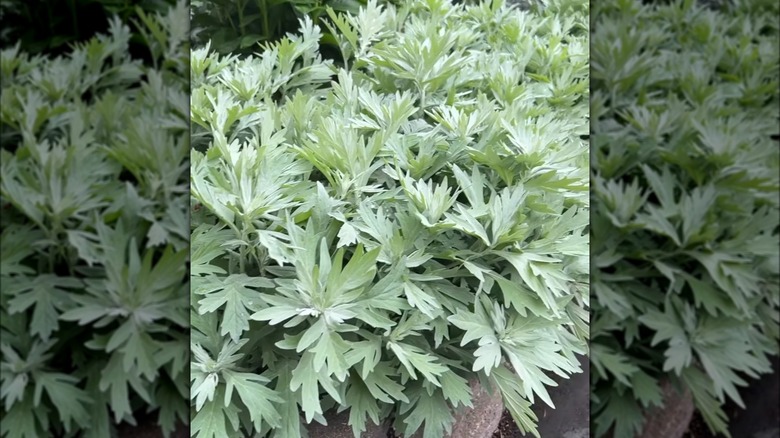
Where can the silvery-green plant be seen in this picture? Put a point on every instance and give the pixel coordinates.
(371, 237)
(94, 301)
(685, 205)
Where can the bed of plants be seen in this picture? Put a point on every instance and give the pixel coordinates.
(370, 236)
(685, 208)
(94, 309)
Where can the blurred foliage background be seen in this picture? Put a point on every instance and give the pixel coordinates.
(236, 26)
(50, 27)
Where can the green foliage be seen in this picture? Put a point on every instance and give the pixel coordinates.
(370, 237)
(94, 305)
(685, 181)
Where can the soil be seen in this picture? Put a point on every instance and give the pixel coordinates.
(507, 428)
(147, 428)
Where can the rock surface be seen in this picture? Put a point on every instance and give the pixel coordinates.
(672, 420)
(479, 421)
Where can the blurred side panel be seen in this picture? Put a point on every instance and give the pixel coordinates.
(685, 115)
(94, 150)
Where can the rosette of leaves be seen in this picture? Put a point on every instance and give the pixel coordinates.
(94, 192)
(370, 237)
(685, 189)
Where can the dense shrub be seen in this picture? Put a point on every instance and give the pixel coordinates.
(685, 205)
(94, 304)
(370, 237)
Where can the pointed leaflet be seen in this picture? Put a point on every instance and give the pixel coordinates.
(695, 208)
(381, 385)
(234, 293)
(606, 360)
(207, 244)
(291, 417)
(658, 221)
(624, 413)
(46, 293)
(116, 381)
(668, 326)
(646, 389)
(612, 299)
(209, 422)
(466, 222)
(173, 409)
(368, 351)
(723, 348)
(361, 404)
(663, 186)
(360, 270)
(330, 353)
(524, 263)
(413, 358)
(15, 248)
(707, 295)
(140, 353)
(204, 387)
(519, 297)
(531, 354)
(455, 389)
(504, 210)
(420, 299)
(309, 381)
(479, 326)
(281, 309)
(20, 421)
(512, 393)
(472, 187)
(706, 401)
(71, 401)
(13, 389)
(431, 409)
(255, 395)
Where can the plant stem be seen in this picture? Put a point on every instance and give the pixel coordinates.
(422, 100)
(74, 18)
(241, 24)
(264, 12)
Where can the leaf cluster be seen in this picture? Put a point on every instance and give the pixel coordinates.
(371, 237)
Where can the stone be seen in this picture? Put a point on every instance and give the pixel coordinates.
(479, 421)
(671, 420)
